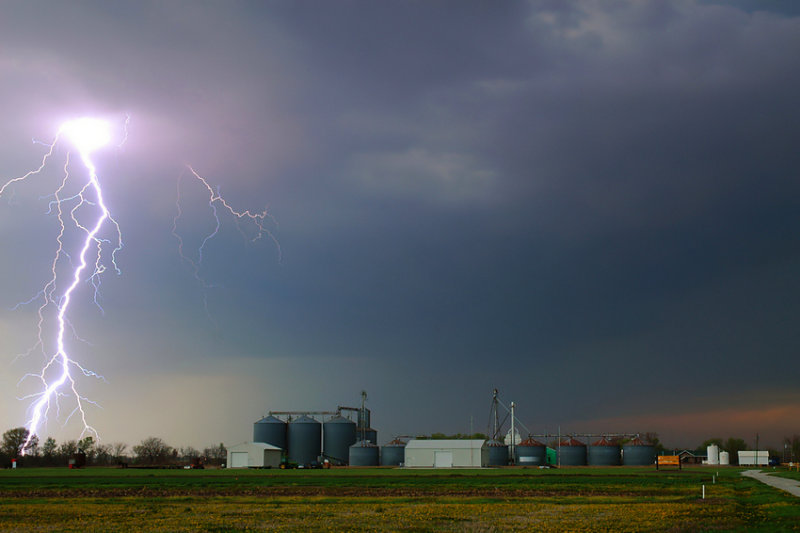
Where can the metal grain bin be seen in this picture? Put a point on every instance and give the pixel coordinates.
(638, 453)
(364, 453)
(367, 434)
(270, 430)
(498, 453)
(530, 452)
(604, 453)
(338, 434)
(552, 457)
(572, 452)
(304, 436)
(394, 453)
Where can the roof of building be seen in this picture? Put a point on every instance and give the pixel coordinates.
(692, 453)
(445, 443)
(250, 445)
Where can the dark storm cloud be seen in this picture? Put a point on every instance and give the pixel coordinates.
(548, 197)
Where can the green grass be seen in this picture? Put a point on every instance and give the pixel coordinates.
(575, 482)
(409, 500)
(793, 474)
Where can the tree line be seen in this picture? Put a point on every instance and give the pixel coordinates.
(152, 451)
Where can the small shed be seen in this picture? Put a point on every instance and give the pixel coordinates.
(450, 453)
(254, 455)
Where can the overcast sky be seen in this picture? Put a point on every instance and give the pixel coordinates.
(591, 206)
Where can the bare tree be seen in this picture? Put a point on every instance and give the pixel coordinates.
(102, 454)
(118, 450)
(189, 453)
(216, 454)
(152, 450)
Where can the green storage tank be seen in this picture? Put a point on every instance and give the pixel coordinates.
(551, 457)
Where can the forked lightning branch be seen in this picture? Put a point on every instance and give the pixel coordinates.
(87, 242)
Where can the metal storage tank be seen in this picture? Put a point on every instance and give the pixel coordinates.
(304, 436)
(604, 453)
(270, 430)
(713, 454)
(338, 434)
(394, 453)
(724, 458)
(572, 452)
(367, 434)
(552, 456)
(638, 453)
(364, 453)
(530, 452)
(498, 453)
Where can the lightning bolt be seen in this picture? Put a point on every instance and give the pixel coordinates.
(86, 214)
(261, 222)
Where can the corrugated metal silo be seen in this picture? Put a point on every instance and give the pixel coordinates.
(304, 438)
(364, 453)
(638, 453)
(338, 434)
(367, 434)
(394, 453)
(572, 452)
(270, 430)
(498, 453)
(530, 452)
(604, 453)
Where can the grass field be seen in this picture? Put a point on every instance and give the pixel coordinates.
(576, 499)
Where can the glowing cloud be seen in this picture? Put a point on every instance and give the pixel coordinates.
(87, 134)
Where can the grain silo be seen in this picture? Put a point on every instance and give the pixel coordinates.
(364, 453)
(304, 436)
(604, 452)
(270, 430)
(338, 434)
(571, 452)
(638, 453)
(367, 434)
(530, 452)
(712, 452)
(393, 453)
(498, 453)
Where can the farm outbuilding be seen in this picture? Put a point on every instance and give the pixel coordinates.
(449, 453)
(254, 455)
(751, 457)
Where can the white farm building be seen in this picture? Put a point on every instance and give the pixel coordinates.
(254, 455)
(750, 457)
(449, 453)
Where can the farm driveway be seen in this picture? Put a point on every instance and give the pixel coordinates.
(789, 485)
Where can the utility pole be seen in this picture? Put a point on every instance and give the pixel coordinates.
(513, 434)
(756, 449)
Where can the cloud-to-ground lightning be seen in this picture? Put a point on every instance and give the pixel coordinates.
(260, 221)
(80, 208)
